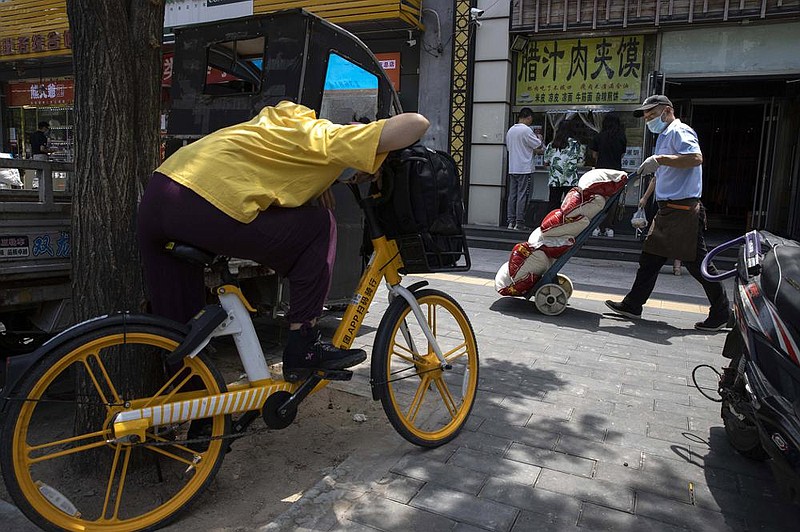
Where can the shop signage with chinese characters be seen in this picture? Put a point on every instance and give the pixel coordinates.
(585, 71)
(35, 43)
(41, 93)
(390, 62)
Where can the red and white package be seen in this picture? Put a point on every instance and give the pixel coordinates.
(554, 246)
(572, 200)
(602, 181)
(507, 286)
(525, 260)
(536, 236)
(556, 224)
(589, 208)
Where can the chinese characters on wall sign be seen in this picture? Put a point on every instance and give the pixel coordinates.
(41, 93)
(390, 63)
(38, 42)
(580, 71)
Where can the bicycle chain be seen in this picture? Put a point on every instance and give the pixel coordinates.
(233, 436)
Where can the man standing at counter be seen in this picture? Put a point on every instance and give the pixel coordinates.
(39, 147)
(521, 142)
(677, 230)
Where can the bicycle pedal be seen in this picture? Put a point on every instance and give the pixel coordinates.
(334, 374)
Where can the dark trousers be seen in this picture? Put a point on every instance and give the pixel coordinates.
(556, 197)
(297, 243)
(649, 267)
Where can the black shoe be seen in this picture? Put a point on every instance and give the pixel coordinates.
(305, 352)
(622, 310)
(713, 324)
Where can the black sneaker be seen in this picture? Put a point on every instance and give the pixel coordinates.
(305, 352)
(712, 324)
(622, 310)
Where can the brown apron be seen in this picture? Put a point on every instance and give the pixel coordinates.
(673, 233)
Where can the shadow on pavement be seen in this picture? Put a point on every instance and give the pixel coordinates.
(652, 330)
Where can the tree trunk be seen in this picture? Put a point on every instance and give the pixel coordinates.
(117, 58)
(117, 63)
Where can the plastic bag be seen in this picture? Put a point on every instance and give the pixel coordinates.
(639, 220)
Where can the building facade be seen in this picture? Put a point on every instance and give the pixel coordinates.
(731, 69)
(412, 41)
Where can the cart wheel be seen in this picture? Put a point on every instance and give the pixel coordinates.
(551, 299)
(565, 283)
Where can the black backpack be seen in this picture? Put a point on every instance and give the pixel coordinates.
(422, 208)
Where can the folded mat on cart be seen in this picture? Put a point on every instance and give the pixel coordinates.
(530, 260)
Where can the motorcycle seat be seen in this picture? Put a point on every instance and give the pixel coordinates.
(780, 282)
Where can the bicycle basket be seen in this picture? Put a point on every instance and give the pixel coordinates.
(426, 253)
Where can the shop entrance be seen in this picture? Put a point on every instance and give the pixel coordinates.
(734, 144)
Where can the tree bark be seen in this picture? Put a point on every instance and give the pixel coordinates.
(117, 63)
(117, 60)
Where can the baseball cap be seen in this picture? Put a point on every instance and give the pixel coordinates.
(650, 102)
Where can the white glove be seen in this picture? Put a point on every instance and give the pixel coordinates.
(649, 166)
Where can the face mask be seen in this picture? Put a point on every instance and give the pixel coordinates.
(656, 125)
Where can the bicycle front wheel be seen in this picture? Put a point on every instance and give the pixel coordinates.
(426, 403)
(59, 458)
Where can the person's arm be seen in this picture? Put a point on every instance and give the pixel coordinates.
(534, 143)
(681, 160)
(647, 193)
(402, 130)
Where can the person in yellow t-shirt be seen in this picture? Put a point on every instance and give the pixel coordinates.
(249, 191)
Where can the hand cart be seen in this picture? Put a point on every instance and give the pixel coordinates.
(551, 293)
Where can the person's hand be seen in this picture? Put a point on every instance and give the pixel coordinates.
(327, 200)
(649, 166)
(643, 202)
(364, 177)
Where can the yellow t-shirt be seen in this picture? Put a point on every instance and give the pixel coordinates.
(283, 156)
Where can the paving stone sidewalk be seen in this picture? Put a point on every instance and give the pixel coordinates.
(584, 421)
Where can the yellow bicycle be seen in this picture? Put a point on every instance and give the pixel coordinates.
(82, 449)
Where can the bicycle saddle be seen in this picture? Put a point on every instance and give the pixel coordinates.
(191, 254)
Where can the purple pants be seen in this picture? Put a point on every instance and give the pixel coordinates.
(298, 243)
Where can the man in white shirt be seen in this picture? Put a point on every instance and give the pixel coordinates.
(522, 143)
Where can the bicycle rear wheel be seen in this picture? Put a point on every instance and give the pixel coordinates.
(59, 461)
(427, 404)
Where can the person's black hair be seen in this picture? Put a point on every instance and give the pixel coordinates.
(612, 125)
(566, 129)
(525, 112)
(43, 124)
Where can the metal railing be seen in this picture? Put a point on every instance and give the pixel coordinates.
(39, 188)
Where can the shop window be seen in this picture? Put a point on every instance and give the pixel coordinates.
(350, 92)
(235, 67)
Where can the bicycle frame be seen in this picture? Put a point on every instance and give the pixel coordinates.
(385, 263)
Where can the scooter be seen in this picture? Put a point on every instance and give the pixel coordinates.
(760, 388)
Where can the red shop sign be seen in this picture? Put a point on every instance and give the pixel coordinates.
(41, 93)
(390, 62)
